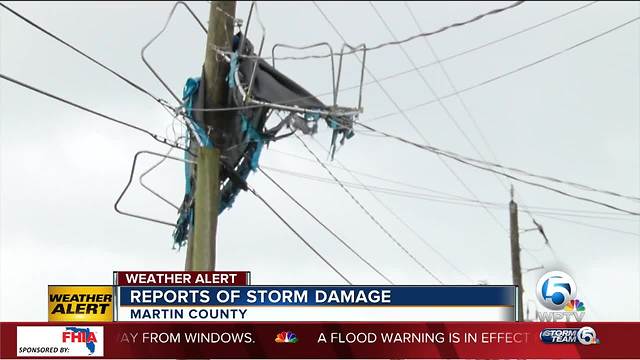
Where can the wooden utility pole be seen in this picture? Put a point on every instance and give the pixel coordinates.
(201, 247)
(516, 269)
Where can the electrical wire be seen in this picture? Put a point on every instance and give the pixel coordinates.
(377, 177)
(503, 75)
(400, 219)
(304, 241)
(473, 163)
(463, 103)
(458, 54)
(85, 55)
(404, 115)
(590, 225)
(353, 251)
(424, 79)
(432, 90)
(368, 213)
(423, 66)
(527, 173)
(450, 81)
(444, 195)
(495, 41)
(441, 199)
(397, 42)
(156, 137)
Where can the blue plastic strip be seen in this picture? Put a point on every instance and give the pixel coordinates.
(233, 67)
(253, 135)
(188, 93)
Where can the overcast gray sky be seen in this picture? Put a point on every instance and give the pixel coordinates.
(575, 117)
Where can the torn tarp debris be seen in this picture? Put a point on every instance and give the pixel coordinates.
(240, 134)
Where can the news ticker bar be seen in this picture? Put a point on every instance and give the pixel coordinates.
(321, 340)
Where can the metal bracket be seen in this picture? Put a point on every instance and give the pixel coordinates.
(333, 67)
(364, 60)
(133, 167)
(155, 37)
(149, 188)
(257, 60)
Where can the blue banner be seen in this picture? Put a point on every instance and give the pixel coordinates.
(318, 296)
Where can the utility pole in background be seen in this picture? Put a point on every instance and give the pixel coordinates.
(516, 269)
(201, 246)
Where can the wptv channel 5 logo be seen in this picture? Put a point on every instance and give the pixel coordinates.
(557, 291)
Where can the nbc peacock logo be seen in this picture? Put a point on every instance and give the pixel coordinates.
(575, 305)
(286, 337)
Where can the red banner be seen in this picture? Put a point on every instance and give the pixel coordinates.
(182, 278)
(340, 340)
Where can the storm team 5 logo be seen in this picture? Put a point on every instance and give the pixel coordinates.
(584, 335)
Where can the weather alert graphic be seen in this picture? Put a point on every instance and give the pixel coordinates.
(75, 303)
(557, 291)
(286, 337)
(60, 341)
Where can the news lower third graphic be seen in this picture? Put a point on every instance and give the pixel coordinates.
(557, 291)
(172, 315)
(60, 341)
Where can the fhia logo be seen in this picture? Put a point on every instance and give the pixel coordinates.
(556, 290)
(81, 335)
(60, 341)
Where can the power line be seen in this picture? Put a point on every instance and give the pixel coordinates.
(470, 203)
(447, 200)
(389, 235)
(400, 219)
(590, 225)
(373, 188)
(461, 100)
(473, 163)
(503, 75)
(527, 173)
(498, 40)
(397, 42)
(324, 226)
(304, 241)
(442, 60)
(424, 79)
(464, 52)
(120, 76)
(156, 137)
(433, 92)
(377, 177)
(450, 81)
(444, 195)
(391, 99)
